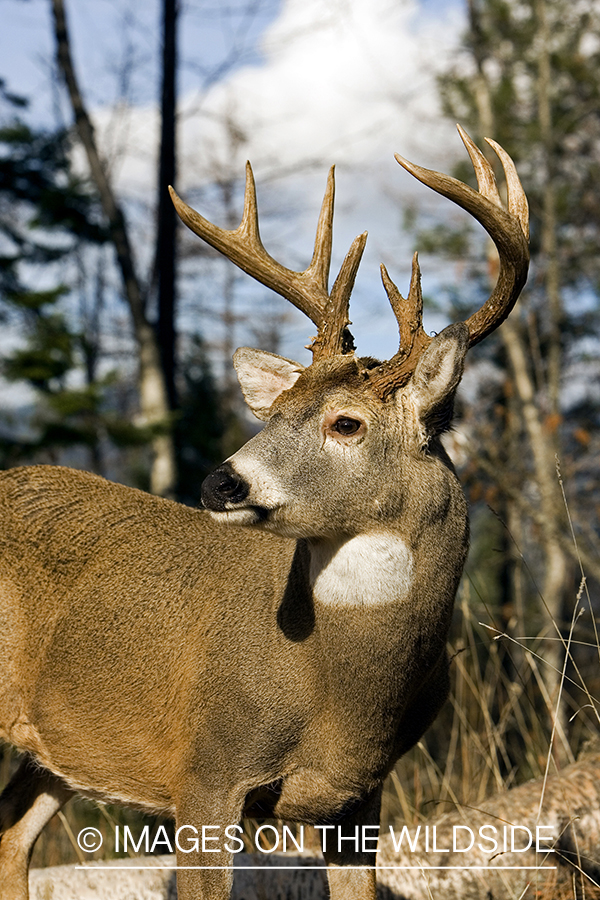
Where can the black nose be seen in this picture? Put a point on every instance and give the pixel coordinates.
(223, 486)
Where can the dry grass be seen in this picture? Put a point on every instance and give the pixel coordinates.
(501, 725)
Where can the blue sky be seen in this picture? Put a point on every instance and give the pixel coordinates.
(211, 33)
(101, 32)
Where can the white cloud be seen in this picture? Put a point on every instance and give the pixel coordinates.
(341, 81)
(346, 81)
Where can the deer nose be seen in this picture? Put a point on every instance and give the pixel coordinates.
(222, 488)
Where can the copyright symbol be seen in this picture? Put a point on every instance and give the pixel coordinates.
(89, 839)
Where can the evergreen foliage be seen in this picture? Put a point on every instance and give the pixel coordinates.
(47, 214)
(503, 45)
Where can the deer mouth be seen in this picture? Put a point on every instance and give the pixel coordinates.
(245, 515)
(225, 494)
(241, 497)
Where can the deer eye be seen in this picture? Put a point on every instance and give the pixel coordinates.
(346, 426)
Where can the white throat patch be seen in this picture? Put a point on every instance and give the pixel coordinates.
(367, 569)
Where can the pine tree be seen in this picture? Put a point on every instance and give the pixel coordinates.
(47, 217)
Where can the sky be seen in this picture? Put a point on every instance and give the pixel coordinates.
(293, 85)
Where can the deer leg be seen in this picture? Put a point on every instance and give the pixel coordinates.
(346, 881)
(202, 859)
(27, 804)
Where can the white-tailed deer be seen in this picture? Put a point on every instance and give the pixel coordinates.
(278, 651)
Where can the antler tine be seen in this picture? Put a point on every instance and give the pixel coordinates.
(392, 374)
(486, 180)
(244, 247)
(408, 311)
(321, 260)
(335, 338)
(249, 224)
(517, 199)
(307, 290)
(509, 232)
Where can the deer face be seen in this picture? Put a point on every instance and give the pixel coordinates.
(334, 458)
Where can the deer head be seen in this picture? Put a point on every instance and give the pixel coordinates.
(409, 397)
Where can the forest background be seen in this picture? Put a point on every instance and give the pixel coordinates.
(118, 326)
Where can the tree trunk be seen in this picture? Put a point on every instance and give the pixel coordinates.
(165, 239)
(549, 245)
(541, 431)
(154, 405)
(566, 806)
(552, 515)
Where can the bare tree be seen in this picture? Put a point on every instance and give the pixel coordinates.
(154, 405)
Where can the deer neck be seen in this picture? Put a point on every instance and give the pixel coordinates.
(364, 570)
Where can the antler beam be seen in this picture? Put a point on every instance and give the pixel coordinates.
(509, 230)
(307, 290)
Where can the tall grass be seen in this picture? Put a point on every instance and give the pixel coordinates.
(500, 726)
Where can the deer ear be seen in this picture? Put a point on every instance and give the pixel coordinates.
(437, 376)
(263, 377)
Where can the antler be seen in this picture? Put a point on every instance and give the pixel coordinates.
(509, 231)
(307, 290)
